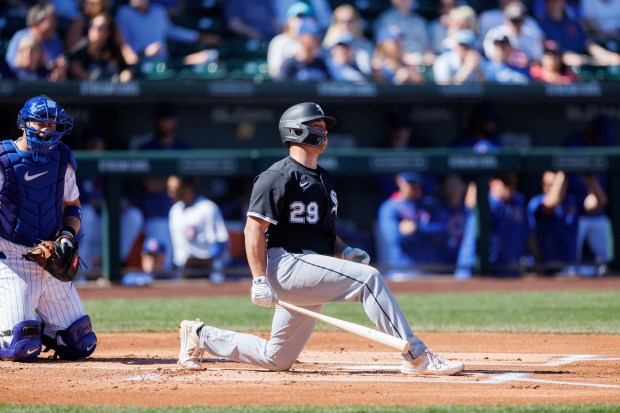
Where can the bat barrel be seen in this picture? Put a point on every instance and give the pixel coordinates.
(365, 332)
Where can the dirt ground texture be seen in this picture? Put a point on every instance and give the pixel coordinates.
(334, 368)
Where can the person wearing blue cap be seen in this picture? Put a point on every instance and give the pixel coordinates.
(346, 20)
(285, 44)
(299, 9)
(461, 64)
(527, 42)
(506, 64)
(320, 10)
(388, 61)
(414, 31)
(306, 65)
(341, 61)
(399, 221)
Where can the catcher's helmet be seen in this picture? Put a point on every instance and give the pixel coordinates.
(43, 109)
(293, 127)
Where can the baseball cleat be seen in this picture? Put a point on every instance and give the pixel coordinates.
(190, 349)
(430, 363)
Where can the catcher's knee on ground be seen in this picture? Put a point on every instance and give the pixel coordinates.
(25, 344)
(74, 343)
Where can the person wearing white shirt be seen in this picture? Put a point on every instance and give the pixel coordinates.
(414, 28)
(286, 44)
(522, 38)
(198, 232)
(492, 18)
(461, 64)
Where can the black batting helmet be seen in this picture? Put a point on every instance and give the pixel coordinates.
(293, 127)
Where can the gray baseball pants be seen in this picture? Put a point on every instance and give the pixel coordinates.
(310, 280)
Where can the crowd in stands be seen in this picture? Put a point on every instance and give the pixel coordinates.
(393, 41)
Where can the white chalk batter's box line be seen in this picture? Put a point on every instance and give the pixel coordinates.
(339, 367)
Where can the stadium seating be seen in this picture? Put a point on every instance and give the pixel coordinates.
(251, 69)
(601, 73)
(210, 70)
(154, 69)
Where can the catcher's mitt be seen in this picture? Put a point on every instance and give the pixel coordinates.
(58, 257)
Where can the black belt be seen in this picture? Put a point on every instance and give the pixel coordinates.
(294, 250)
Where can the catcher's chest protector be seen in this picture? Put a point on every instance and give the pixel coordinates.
(31, 198)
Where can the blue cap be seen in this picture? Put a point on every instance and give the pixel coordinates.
(309, 26)
(389, 33)
(411, 177)
(466, 37)
(153, 246)
(299, 9)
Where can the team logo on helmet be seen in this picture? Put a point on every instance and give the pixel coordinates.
(320, 109)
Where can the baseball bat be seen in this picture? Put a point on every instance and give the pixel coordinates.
(365, 332)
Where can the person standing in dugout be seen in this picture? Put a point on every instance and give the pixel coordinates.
(40, 201)
(295, 255)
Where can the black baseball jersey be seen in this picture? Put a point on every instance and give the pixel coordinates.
(300, 204)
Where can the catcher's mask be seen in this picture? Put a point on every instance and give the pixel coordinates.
(43, 109)
(293, 124)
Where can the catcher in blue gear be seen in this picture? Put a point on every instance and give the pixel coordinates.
(40, 206)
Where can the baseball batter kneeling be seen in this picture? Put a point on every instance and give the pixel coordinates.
(39, 217)
(295, 255)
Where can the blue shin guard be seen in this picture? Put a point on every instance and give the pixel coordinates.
(26, 342)
(76, 342)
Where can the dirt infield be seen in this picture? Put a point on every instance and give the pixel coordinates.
(335, 368)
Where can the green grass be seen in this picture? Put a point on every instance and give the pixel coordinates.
(519, 312)
(576, 408)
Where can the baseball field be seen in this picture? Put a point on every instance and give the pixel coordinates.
(531, 344)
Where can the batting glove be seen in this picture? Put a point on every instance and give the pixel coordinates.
(262, 294)
(356, 255)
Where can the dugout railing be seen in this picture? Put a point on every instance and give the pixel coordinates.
(116, 166)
